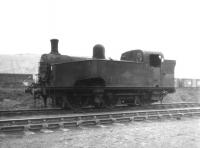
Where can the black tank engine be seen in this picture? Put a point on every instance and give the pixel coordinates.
(138, 78)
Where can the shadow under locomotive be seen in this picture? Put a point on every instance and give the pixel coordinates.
(138, 78)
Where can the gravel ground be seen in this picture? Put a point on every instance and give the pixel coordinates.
(158, 134)
(183, 95)
(15, 98)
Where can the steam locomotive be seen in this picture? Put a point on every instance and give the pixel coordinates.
(138, 78)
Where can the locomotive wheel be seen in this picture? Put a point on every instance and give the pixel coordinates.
(110, 101)
(104, 100)
(137, 101)
(99, 101)
(56, 101)
(69, 102)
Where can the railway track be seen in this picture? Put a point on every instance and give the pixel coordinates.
(52, 111)
(36, 123)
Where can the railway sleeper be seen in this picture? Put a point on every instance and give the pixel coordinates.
(21, 122)
(183, 111)
(163, 112)
(152, 113)
(106, 121)
(6, 123)
(70, 119)
(117, 115)
(36, 121)
(141, 113)
(87, 123)
(196, 114)
(153, 117)
(140, 118)
(173, 111)
(86, 117)
(194, 110)
(36, 127)
(14, 122)
(53, 126)
(165, 116)
(70, 124)
(125, 119)
(187, 114)
(177, 116)
(102, 116)
(12, 128)
(130, 114)
(50, 120)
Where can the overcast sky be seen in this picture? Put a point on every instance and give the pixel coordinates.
(170, 26)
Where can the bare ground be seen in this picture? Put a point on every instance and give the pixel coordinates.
(15, 98)
(183, 95)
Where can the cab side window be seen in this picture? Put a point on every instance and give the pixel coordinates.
(135, 56)
(139, 57)
(155, 60)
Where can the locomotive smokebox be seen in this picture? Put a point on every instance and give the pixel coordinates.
(54, 46)
(98, 52)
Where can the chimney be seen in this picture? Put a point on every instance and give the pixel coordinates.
(54, 46)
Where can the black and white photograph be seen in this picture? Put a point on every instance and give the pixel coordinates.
(99, 74)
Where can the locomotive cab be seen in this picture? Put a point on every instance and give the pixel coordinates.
(152, 62)
(153, 58)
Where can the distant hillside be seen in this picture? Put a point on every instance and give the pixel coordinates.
(19, 63)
